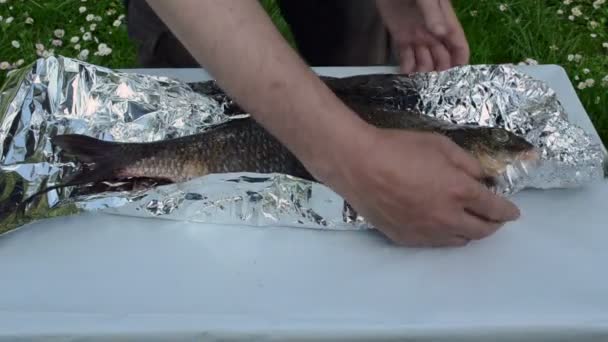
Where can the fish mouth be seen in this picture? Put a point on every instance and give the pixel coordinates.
(532, 155)
(523, 161)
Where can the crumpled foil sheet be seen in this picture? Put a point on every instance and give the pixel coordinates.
(59, 95)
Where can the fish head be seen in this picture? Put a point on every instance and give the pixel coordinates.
(496, 148)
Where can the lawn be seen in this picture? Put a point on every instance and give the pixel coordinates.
(570, 33)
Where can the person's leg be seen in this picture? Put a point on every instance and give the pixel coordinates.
(327, 33)
(157, 47)
(338, 32)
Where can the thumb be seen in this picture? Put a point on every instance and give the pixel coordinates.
(433, 16)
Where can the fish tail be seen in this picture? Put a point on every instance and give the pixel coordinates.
(102, 160)
(103, 157)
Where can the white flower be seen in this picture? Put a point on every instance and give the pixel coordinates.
(59, 33)
(98, 18)
(1, 18)
(605, 81)
(586, 71)
(575, 57)
(567, 2)
(594, 24)
(2, 1)
(39, 47)
(582, 85)
(553, 47)
(57, 42)
(9, 20)
(559, 11)
(103, 50)
(605, 44)
(576, 10)
(5, 65)
(74, 39)
(473, 13)
(530, 61)
(48, 53)
(93, 27)
(502, 7)
(15, 44)
(571, 17)
(111, 12)
(576, 77)
(77, 47)
(117, 23)
(29, 20)
(598, 3)
(86, 36)
(19, 62)
(81, 29)
(593, 35)
(590, 82)
(121, 17)
(90, 17)
(83, 54)
(82, 9)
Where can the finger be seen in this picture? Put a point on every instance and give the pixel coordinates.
(453, 242)
(424, 60)
(461, 158)
(441, 56)
(433, 16)
(476, 228)
(408, 60)
(455, 39)
(456, 241)
(489, 206)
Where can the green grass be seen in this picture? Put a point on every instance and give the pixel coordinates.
(525, 29)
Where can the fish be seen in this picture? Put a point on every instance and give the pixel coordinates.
(244, 145)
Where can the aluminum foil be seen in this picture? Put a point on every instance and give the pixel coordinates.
(58, 95)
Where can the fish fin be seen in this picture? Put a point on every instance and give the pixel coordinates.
(104, 156)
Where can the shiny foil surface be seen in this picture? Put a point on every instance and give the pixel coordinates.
(59, 95)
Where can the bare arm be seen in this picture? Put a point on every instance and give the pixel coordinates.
(239, 45)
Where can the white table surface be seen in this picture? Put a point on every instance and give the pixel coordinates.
(100, 277)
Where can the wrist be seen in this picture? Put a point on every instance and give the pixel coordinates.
(332, 154)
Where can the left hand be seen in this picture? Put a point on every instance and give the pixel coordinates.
(426, 33)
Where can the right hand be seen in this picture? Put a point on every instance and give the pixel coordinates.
(419, 189)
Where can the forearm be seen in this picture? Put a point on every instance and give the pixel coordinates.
(238, 44)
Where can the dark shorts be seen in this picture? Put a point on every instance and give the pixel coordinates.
(326, 32)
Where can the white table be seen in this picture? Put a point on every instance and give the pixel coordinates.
(103, 276)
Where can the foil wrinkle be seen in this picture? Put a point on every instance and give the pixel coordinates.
(59, 95)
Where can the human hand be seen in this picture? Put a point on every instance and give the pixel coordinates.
(426, 33)
(419, 189)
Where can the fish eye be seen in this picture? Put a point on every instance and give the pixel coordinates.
(500, 135)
